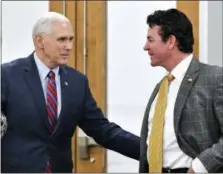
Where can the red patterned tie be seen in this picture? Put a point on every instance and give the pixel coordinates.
(51, 107)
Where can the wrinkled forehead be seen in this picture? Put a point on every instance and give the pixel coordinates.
(62, 28)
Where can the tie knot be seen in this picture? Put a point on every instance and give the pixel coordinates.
(170, 77)
(51, 74)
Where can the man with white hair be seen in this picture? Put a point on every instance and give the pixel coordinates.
(44, 101)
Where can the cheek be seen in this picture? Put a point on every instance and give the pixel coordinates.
(60, 47)
(158, 48)
(155, 48)
(49, 47)
(56, 49)
(155, 45)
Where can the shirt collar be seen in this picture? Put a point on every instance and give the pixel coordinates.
(181, 69)
(43, 69)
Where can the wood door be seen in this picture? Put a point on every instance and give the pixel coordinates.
(93, 64)
(191, 9)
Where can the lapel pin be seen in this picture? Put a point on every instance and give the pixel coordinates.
(190, 80)
(66, 84)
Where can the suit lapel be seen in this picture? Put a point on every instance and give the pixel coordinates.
(185, 88)
(64, 95)
(144, 130)
(33, 80)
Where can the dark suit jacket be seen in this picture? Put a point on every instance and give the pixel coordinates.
(198, 117)
(27, 143)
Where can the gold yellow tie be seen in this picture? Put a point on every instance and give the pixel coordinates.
(155, 154)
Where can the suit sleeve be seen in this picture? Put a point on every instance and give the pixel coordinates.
(212, 158)
(105, 133)
(3, 89)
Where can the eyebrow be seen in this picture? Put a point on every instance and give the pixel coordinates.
(65, 37)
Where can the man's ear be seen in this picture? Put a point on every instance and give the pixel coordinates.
(171, 42)
(39, 41)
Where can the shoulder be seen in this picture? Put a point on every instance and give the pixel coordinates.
(14, 66)
(14, 63)
(75, 74)
(212, 72)
(211, 68)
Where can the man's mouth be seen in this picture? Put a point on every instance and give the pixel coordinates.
(151, 54)
(65, 55)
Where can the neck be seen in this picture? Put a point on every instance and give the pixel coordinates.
(174, 60)
(45, 59)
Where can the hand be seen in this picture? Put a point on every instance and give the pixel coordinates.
(190, 170)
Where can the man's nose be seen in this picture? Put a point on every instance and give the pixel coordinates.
(69, 45)
(145, 48)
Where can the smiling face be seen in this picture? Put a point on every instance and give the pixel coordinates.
(57, 45)
(157, 49)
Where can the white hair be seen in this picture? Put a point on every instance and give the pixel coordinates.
(44, 23)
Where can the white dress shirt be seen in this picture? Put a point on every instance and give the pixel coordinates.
(174, 157)
(43, 71)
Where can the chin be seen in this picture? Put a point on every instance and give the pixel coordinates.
(154, 64)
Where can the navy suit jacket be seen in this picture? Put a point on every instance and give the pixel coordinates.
(28, 143)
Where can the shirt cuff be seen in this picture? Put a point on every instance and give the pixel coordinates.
(198, 167)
